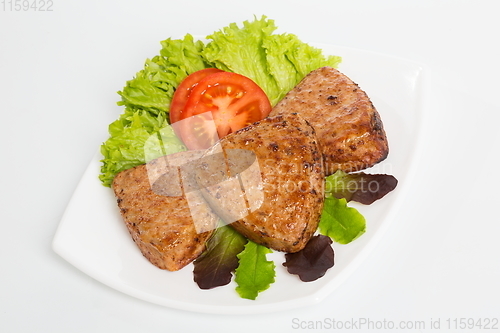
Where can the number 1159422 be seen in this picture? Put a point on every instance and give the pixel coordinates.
(26, 5)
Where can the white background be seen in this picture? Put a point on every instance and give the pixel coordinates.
(439, 259)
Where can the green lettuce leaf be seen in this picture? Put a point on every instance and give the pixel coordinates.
(254, 273)
(142, 131)
(152, 88)
(289, 60)
(341, 223)
(129, 135)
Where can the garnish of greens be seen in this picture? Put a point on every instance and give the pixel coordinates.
(277, 63)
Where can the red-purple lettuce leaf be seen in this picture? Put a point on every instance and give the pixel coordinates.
(215, 265)
(313, 260)
(359, 187)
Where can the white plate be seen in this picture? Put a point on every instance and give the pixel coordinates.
(92, 236)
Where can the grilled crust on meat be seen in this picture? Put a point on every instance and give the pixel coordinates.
(290, 179)
(161, 224)
(347, 124)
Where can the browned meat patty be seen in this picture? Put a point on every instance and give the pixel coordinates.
(168, 221)
(348, 126)
(268, 180)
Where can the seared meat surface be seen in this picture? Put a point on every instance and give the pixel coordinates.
(347, 124)
(167, 219)
(267, 180)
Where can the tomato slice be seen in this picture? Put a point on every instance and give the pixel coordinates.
(234, 100)
(182, 92)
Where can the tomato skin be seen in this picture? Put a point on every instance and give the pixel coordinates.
(217, 105)
(182, 92)
(234, 100)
